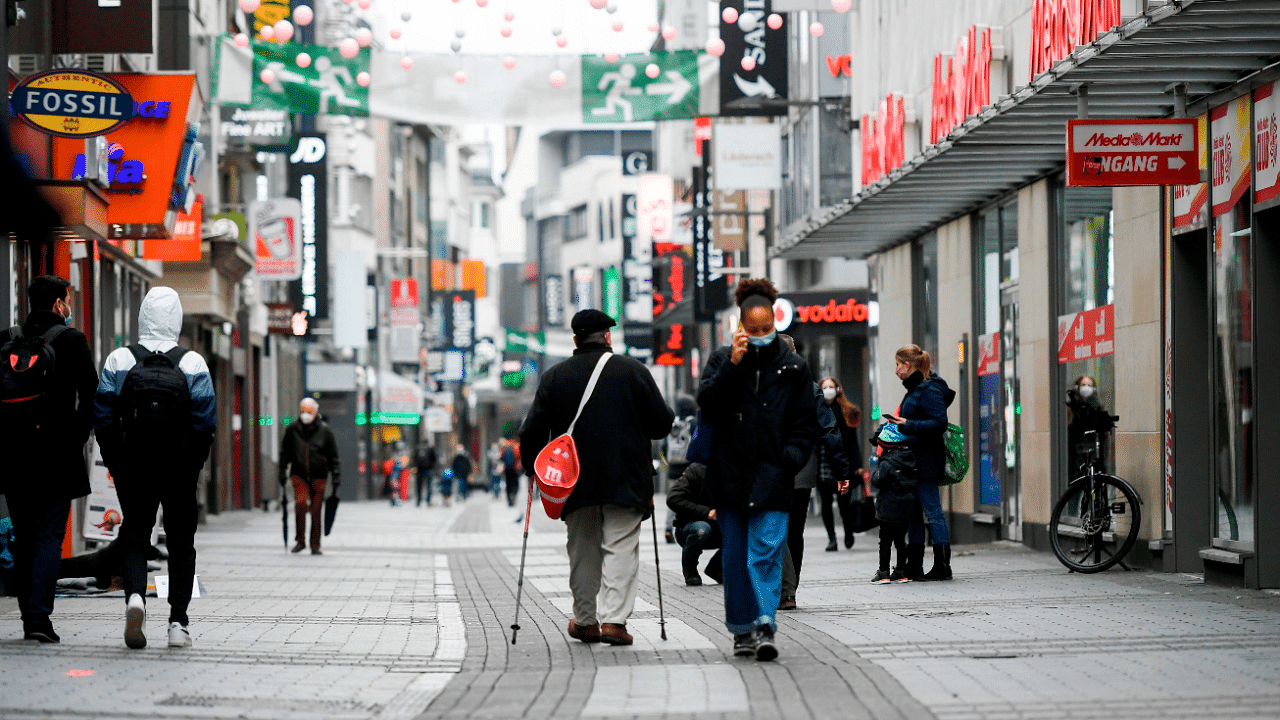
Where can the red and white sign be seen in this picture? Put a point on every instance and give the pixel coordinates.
(274, 231)
(1190, 202)
(1058, 26)
(962, 83)
(655, 198)
(839, 65)
(988, 354)
(1132, 152)
(1266, 127)
(1229, 126)
(1087, 335)
(404, 320)
(882, 139)
(786, 312)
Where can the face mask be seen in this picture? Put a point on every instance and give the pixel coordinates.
(1086, 391)
(67, 319)
(762, 340)
(829, 394)
(306, 418)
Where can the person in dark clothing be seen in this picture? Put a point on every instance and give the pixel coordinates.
(614, 491)
(309, 455)
(1086, 413)
(757, 395)
(511, 470)
(695, 523)
(46, 468)
(847, 416)
(462, 468)
(923, 416)
(426, 462)
(896, 505)
(156, 468)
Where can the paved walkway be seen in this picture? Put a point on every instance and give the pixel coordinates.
(407, 615)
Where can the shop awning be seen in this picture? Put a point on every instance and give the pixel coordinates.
(1206, 47)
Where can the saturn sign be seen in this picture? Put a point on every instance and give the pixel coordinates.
(72, 103)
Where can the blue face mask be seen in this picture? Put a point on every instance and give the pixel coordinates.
(762, 340)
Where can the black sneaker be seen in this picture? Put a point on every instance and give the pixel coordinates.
(765, 648)
(832, 547)
(744, 645)
(882, 577)
(693, 580)
(899, 575)
(848, 540)
(42, 632)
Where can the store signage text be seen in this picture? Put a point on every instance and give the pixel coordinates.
(1140, 151)
(962, 83)
(840, 65)
(882, 139)
(786, 312)
(1266, 167)
(1231, 158)
(308, 182)
(119, 172)
(751, 38)
(988, 354)
(72, 103)
(1058, 26)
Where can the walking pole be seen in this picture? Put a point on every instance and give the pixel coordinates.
(515, 625)
(662, 620)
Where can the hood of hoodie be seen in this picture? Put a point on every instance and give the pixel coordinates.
(160, 317)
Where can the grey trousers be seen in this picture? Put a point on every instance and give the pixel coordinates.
(604, 562)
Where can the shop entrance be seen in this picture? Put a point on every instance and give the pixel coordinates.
(1010, 411)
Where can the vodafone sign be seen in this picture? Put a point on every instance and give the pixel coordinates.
(1132, 152)
(819, 309)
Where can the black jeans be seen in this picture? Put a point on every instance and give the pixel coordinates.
(423, 485)
(826, 492)
(893, 535)
(39, 527)
(141, 493)
(695, 537)
(512, 480)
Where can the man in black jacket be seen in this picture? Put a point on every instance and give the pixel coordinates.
(614, 492)
(46, 466)
(695, 523)
(309, 450)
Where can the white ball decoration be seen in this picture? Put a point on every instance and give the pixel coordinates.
(241, 40)
(611, 57)
(395, 33)
(460, 77)
(303, 60)
(267, 76)
(362, 79)
(556, 31)
(730, 15)
(748, 22)
(459, 33)
(456, 46)
(668, 33)
(652, 70)
(748, 63)
(715, 47)
(611, 8)
(406, 63)
(774, 21)
(406, 16)
(816, 29)
(508, 62)
(558, 78)
(841, 5)
(267, 32)
(349, 48)
(303, 15)
(249, 6)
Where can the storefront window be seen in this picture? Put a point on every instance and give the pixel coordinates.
(926, 311)
(1233, 372)
(996, 325)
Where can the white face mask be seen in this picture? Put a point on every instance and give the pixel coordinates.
(306, 417)
(828, 394)
(1086, 391)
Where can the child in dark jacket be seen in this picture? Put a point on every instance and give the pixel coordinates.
(895, 482)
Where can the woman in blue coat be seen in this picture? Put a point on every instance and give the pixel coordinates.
(923, 415)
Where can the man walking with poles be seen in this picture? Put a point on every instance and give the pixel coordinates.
(614, 490)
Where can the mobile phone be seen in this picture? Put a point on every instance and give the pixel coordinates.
(888, 416)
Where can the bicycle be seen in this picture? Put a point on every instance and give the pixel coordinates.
(1098, 515)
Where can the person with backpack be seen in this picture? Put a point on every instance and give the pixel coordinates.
(47, 381)
(511, 470)
(922, 415)
(154, 414)
(308, 457)
(613, 433)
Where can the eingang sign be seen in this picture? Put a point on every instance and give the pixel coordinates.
(72, 103)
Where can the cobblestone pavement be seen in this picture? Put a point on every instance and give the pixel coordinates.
(407, 615)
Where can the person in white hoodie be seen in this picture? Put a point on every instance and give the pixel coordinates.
(154, 418)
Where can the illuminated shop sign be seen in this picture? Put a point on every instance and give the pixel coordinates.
(822, 309)
(309, 184)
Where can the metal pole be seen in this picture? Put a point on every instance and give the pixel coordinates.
(524, 547)
(662, 620)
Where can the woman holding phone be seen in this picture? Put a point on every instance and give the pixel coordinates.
(923, 416)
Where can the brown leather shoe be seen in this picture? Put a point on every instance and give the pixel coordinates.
(788, 603)
(614, 634)
(585, 633)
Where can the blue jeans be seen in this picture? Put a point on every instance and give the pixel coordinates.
(754, 542)
(695, 537)
(931, 503)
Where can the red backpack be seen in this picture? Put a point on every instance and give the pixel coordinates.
(556, 467)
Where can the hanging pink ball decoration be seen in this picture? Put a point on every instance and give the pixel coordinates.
(774, 21)
(249, 6)
(303, 15)
(816, 29)
(267, 32)
(508, 16)
(267, 76)
(364, 36)
(506, 31)
(715, 47)
(611, 57)
(347, 2)
(406, 63)
(460, 77)
(562, 41)
(364, 4)
(481, 3)
(558, 78)
(841, 5)
(508, 62)
(617, 26)
(362, 79)
(303, 60)
(241, 40)
(730, 15)
(748, 63)
(395, 33)
(652, 70)
(284, 30)
(599, 4)
(654, 27)
(668, 33)
(349, 48)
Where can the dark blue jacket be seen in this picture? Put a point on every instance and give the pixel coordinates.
(894, 479)
(925, 410)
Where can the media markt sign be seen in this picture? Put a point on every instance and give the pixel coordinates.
(625, 92)
(72, 103)
(1142, 151)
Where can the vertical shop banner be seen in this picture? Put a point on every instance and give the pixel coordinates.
(1191, 202)
(669, 344)
(1086, 335)
(655, 207)
(1266, 166)
(672, 263)
(988, 408)
(751, 37)
(729, 223)
(309, 185)
(461, 320)
(102, 515)
(1232, 136)
(637, 285)
(1167, 292)
(611, 292)
(583, 288)
(404, 320)
(554, 289)
(275, 230)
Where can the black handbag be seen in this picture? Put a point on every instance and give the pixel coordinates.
(865, 509)
(330, 510)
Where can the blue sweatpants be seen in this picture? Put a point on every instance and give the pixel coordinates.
(753, 545)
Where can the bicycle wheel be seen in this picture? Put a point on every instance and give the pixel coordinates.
(1094, 525)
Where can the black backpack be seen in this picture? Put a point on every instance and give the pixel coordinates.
(155, 401)
(26, 375)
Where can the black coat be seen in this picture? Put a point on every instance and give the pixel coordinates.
(54, 468)
(688, 496)
(925, 410)
(895, 482)
(764, 422)
(462, 466)
(309, 451)
(614, 435)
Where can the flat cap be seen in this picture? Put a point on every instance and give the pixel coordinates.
(590, 321)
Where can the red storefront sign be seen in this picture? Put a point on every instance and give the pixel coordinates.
(988, 354)
(1230, 158)
(839, 65)
(1058, 26)
(670, 345)
(404, 292)
(1132, 152)
(701, 132)
(185, 244)
(1266, 128)
(962, 83)
(1086, 335)
(882, 139)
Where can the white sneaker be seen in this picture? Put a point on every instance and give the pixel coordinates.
(179, 635)
(135, 622)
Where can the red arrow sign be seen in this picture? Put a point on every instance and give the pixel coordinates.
(1142, 151)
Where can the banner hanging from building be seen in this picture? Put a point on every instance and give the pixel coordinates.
(1266, 164)
(275, 80)
(1229, 156)
(404, 316)
(750, 43)
(275, 231)
(1191, 202)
